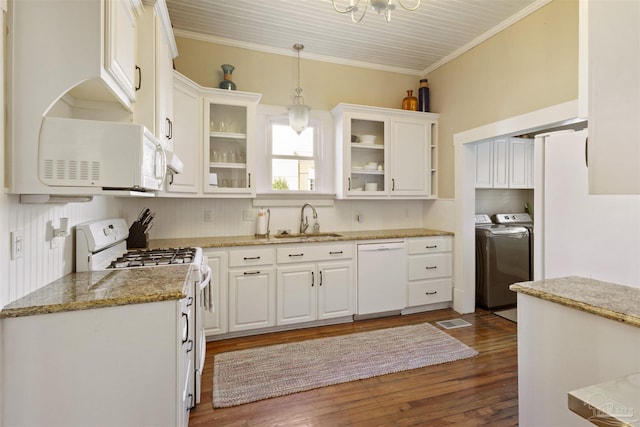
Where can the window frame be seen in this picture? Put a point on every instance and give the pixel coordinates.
(323, 150)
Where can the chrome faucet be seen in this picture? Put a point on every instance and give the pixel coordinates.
(304, 221)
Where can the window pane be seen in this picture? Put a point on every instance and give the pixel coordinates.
(293, 174)
(286, 142)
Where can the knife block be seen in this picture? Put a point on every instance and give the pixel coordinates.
(137, 239)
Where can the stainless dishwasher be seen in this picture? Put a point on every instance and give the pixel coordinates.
(382, 278)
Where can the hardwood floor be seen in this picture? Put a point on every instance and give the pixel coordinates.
(480, 391)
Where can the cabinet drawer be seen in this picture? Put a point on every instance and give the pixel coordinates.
(249, 257)
(430, 244)
(429, 292)
(429, 266)
(314, 252)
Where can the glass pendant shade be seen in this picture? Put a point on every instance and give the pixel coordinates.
(298, 115)
(298, 112)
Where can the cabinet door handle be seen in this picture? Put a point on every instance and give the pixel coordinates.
(292, 255)
(335, 252)
(251, 273)
(250, 257)
(349, 184)
(431, 247)
(249, 181)
(186, 318)
(586, 151)
(393, 184)
(313, 279)
(320, 284)
(139, 70)
(169, 133)
(431, 293)
(190, 406)
(190, 346)
(433, 267)
(189, 301)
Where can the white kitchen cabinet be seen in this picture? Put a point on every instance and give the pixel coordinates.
(187, 134)
(521, 163)
(501, 148)
(216, 322)
(120, 44)
(114, 366)
(401, 162)
(484, 164)
(252, 289)
(157, 48)
(229, 143)
(613, 102)
(71, 59)
(315, 282)
(505, 163)
(430, 270)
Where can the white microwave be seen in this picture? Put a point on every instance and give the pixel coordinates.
(100, 155)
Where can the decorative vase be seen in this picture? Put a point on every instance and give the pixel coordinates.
(410, 102)
(227, 83)
(423, 95)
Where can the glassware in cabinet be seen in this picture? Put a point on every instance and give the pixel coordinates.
(229, 128)
(367, 155)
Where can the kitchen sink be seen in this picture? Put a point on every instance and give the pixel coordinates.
(305, 236)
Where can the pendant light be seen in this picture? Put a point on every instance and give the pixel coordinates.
(298, 112)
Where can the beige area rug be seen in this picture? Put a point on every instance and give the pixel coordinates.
(510, 314)
(248, 375)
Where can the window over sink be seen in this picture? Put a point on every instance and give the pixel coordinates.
(294, 165)
(293, 157)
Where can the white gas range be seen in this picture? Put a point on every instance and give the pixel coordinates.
(102, 245)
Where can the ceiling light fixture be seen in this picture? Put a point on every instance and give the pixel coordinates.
(383, 7)
(298, 112)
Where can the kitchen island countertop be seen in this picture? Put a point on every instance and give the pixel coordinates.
(610, 300)
(106, 288)
(229, 241)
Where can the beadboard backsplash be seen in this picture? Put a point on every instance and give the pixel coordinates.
(42, 262)
(186, 217)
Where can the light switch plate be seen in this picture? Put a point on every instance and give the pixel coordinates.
(249, 215)
(17, 244)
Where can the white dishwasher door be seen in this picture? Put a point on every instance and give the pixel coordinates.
(382, 277)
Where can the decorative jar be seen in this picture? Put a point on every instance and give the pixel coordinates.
(410, 102)
(227, 83)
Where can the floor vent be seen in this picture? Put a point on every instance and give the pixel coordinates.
(453, 323)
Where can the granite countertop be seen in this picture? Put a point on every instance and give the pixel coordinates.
(97, 289)
(616, 302)
(611, 403)
(228, 241)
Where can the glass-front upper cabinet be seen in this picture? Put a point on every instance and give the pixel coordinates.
(229, 119)
(367, 156)
(385, 153)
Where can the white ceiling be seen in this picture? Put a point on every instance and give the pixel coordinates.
(413, 42)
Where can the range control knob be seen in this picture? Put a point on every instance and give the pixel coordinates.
(108, 230)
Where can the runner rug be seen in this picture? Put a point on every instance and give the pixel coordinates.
(254, 374)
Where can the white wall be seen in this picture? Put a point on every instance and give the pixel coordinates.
(493, 201)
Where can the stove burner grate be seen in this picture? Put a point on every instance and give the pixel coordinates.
(152, 257)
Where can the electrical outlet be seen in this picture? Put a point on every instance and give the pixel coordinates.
(249, 215)
(17, 244)
(208, 215)
(359, 217)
